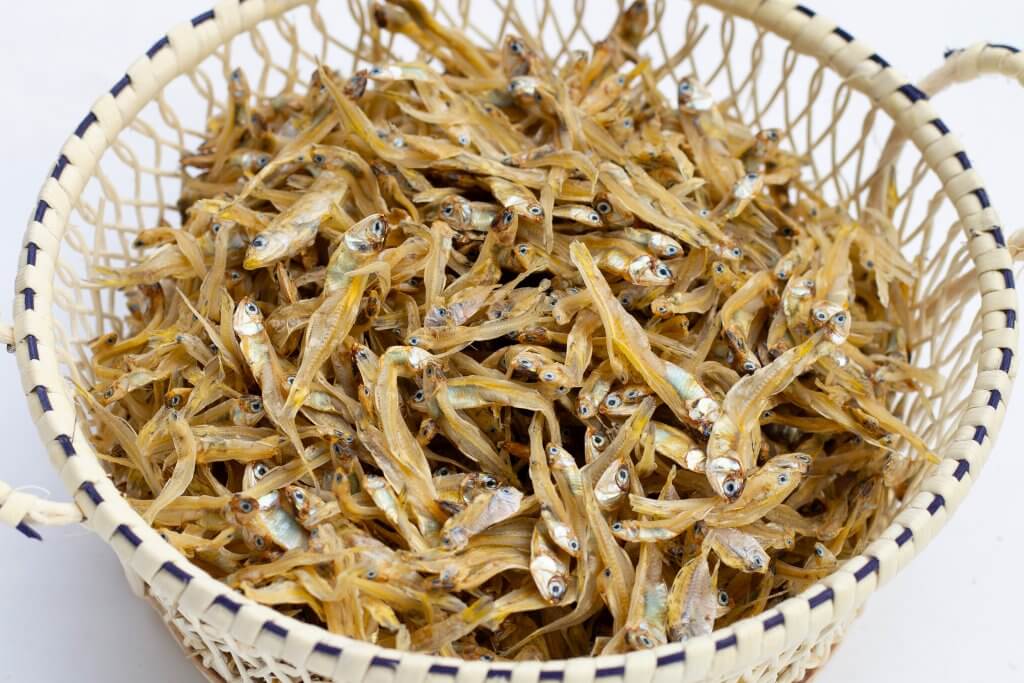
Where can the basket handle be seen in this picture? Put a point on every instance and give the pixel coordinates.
(19, 509)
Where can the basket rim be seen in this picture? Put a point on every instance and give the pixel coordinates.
(182, 586)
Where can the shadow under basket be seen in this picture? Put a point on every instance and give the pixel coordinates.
(776, 64)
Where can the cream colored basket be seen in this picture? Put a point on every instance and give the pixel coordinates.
(775, 63)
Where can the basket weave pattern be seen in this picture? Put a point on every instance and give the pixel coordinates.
(782, 66)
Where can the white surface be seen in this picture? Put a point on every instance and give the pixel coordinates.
(954, 615)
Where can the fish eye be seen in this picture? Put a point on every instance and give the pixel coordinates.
(448, 210)
(377, 227)
(685, 87)
(507, 490)
(259, 242)
(704, 213)
(376, 71)
(869, 264)
(751, 177)
(819, 550)
(594, 217)
(750, 366)
(486, 658)
(175, 401)
(757, 561)
(627, 122)
(258, 541)
(319, 159)
(841, 318)
(291, 380)
(604, 207)
(215, 228)
(723, 598)
(418, 396)
(299, 497)
(235, 275)
(490, 482)
(399, 142)
(622, 476)
(613, 401)
(256, 405)
(608, 571)
(664, 271)
(371, 574)
(556, 588)
(414, 341)
(336, 449)
(821, 315)
(574, 545)
(671, 250)
(251, 308)
(442, 471)
(516, 47)
(730, 488)
(523, 250)
(245, 506)
(584, 410)
(260, 471)
(662, 309)
(535, 210)
(507, 217)
(552, 450)
(463, 139)
(736, 252)
(598, 440)
(783, 479)
(617, 526)
(646, 642)
(621, 80)
(548, 376)
(525, 363)
(338, 476)
(719, 268)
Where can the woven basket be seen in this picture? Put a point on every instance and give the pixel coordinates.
(780, 65)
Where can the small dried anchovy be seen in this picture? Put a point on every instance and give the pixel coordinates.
(505, 358)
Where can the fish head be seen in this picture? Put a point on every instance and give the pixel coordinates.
(756, 560)
(455, 538)
(177, 398)
(529, 256)
(726, 476)
(723, 277)
(242, 508)
(833, 318)
(693, 96)
(457, 212)
(368, 235)
(516, 56)
(248, 320)
(474, 484)
(643, 635)
(266, 248)
(300, 499)
(613, 484)
(664, 246)
(647, 271)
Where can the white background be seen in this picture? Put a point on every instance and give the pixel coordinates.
(67, 614)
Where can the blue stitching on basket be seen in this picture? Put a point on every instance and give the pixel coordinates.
(880, 60)
(276, 629)
(33, 347)
(962, 468)
(940, 125)
(805, 10)
(551, 675)
(443, 669)
(40, 213)
(997, 235)
(821, 598)
(65, 442)
(904, 536)
(669, 659)
(58, 168)
(176, 571)
(912, 92)
(89, 119)
(937, 502)
(725, 643)
(1007, 278)
(125, 81)
(982, 196)
(842, 34)
(90, 490)
(129, 535)
(227, 603)
(157, 46)
(1007, 360)
(979, 433)
(28, 531)
(499, 673)
(30, 298)
(384, 662)
(1003, 46)
(994, 397)
(869, 568)
(40, 391)
(1011, 318)
(202, 18)
(774, 621)
(32, 248)
(610, 671)
(326, 649)
(965, 162)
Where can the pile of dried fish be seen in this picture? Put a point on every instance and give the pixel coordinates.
(494, 357)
